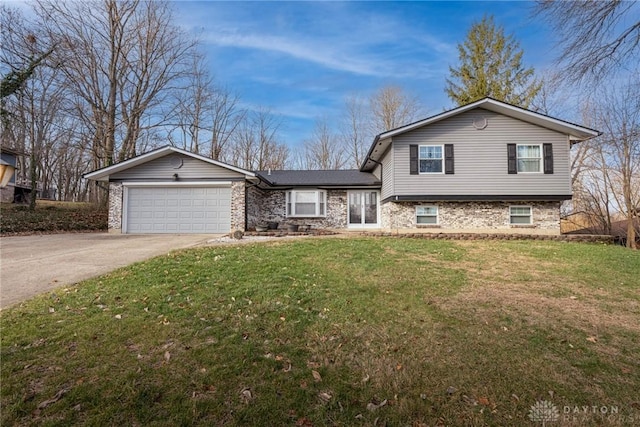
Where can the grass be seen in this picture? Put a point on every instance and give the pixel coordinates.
(51, 217)
(333, 332)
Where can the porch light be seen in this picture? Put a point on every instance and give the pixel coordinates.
(6, 172)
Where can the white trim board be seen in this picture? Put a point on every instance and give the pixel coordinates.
(176, 183)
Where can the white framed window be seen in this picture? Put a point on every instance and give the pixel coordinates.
(520, 215)
(306, 203)
(430, 159)
(529, 158)
(427, 215)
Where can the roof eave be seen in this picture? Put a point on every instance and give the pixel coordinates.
(104, 173)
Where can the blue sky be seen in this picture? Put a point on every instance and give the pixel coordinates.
(301, 59)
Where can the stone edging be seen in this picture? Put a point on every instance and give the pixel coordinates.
(585, 238)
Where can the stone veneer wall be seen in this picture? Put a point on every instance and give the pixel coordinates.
(238, 206)
(264, 206)
(479, 216)
(115, 207)
(270, 205)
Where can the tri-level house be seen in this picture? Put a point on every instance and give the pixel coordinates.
(484, 167)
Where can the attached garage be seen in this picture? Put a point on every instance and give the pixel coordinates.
(170, 190)
(177, 210)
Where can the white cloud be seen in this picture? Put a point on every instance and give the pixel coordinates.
(314, 52)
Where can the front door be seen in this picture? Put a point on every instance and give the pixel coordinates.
(364, 209)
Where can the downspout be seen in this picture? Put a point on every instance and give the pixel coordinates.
(381, 175)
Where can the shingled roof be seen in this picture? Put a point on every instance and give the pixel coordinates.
(324, 178)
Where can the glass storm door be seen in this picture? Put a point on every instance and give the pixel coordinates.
(363, 209)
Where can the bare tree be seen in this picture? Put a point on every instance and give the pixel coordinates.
(226, 117)
(354, 129)
(193, 107)
(606, 171)
(323, 149)
(597, 37)
(35, 117)
(619, 118)
(392, 107)
(255, 144)
(120, 58)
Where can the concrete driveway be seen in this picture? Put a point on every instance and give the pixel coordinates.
(30, 265)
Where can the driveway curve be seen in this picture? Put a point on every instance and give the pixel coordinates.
(31, 265)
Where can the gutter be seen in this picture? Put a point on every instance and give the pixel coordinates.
(366, 159)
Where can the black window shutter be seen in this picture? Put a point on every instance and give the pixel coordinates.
(547, 150)
(511, 158)
(448, 159)
(413, 159)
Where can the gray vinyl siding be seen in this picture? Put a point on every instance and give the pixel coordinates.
(388, 173)
(376, 171)
(480, 158)
(162, 169)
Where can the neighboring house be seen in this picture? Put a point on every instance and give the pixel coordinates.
(18, 189)
(10, 157)
(483, 167)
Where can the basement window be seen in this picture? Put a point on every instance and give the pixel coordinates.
(520, 215)
(426, 215)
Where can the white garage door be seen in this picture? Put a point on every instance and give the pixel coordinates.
(178, 210)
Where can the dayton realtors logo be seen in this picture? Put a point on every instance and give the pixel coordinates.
(544, 411)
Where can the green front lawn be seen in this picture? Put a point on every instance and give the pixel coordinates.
(334, 331)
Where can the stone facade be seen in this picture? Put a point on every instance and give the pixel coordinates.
(270, 206)
(115, 207)
(264, 206)
(472, 217)
(238, 206)
(251, 205)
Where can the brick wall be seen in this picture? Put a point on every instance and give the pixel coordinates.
(238, 206)
(270, 206)
(473, 216)
(115, 207)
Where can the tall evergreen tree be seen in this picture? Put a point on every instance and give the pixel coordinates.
(491, 65)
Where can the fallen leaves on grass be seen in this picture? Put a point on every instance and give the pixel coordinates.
(324, 396)
(54, 399)
(246, 396)
(371, 406)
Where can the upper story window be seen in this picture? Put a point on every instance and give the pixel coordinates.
(306, 203)
(430, 158)
(529, 158)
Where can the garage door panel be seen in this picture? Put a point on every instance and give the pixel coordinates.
(178, 210)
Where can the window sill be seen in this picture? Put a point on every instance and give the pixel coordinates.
(522, 225)
(427, 226)
(306, 216)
